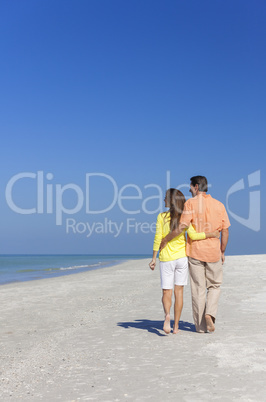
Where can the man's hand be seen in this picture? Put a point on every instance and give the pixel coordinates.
(152, 264)
(215, 234)
(163, 243)
(224, 240)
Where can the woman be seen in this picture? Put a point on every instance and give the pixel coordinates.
(173, 259)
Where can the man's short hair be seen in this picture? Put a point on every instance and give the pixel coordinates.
(201, 181)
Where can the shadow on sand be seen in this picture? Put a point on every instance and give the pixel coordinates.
(156, 327)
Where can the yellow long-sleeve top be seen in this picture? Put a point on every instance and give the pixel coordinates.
(176, 248)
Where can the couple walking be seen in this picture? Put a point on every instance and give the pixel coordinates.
(204, 219)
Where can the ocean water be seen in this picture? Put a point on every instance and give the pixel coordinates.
(20, 268)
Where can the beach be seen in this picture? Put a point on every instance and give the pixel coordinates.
(97, 336)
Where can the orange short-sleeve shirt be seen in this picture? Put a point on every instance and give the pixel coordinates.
(206, 215)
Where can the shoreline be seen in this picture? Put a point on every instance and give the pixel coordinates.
(18, 268)
(68, 271)
(63, 274)
(98, 336)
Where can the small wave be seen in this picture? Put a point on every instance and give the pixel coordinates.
(57, 269)
(79, 266)
(51, 269)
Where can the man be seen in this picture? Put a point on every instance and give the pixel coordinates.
(205, 256)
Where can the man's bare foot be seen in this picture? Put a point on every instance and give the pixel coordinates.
(209, 323)
(175, 330)
(167, 324)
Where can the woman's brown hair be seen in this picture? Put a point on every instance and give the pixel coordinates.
(176, 201)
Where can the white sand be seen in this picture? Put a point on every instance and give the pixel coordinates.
(98, 336)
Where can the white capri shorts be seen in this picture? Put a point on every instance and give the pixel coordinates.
(174, 273)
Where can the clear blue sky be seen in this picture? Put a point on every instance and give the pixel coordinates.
(132, 90)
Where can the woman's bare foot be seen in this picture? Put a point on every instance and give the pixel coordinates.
(209, 323)
(167, 324)
(175, 330)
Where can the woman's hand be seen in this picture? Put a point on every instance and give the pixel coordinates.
(152, 264)
(215, 234)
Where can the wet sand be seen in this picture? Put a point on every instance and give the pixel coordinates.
(97, 336)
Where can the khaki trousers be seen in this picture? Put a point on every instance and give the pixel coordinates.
(204, 275)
